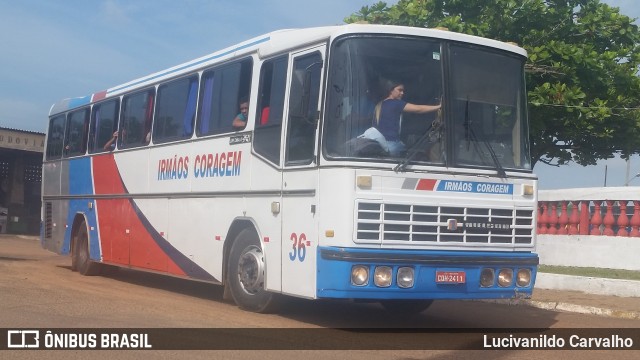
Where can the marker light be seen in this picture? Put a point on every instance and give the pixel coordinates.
(523, 278)
(359, 275)
(505, 277)
(364, 181)
(405, 277)
(527, 190)
(382, 276)
(487, 277)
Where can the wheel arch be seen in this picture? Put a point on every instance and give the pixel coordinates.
(237, 226)
(78, 219)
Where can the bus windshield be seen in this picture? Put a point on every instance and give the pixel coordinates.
(482, 122)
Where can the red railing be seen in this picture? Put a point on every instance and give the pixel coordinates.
(593, 211)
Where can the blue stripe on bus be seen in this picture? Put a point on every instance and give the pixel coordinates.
(168, 72)
(80, 176)
(334, 274)
(79, 181)
(76, 102)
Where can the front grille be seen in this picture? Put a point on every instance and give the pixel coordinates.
(386, 223)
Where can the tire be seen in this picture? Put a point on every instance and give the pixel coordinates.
(245, 275)
(81, 258)
(406, 307)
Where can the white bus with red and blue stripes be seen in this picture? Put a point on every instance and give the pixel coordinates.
(298, 198)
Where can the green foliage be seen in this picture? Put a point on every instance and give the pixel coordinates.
(582, 74)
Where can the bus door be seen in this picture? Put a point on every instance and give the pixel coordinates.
(300, 173)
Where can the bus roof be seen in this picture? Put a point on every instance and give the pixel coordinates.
(273, 43)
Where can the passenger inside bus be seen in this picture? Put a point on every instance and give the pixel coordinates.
(240, 121)
(111, 144)
(264, 118)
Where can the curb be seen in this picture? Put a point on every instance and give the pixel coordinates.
(568, 307)
(582, 309)
(589, 285)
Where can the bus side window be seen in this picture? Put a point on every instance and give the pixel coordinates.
(175, 110)
(135, 123)
(221, 91)
(75, 141)
(104, 122)
(55, 137)
(267, 133)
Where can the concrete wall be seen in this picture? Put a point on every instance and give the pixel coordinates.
(609, 252)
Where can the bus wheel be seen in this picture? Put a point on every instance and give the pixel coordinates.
(406, 307)
(245, 274)
(81, 258)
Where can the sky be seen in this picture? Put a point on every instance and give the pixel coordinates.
(52, 50)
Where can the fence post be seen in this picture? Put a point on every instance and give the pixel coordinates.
(584, 217)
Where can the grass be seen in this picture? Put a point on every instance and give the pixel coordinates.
(592, 272)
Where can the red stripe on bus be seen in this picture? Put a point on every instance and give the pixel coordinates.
(99, 96)
(124, 238)
(426, 184)
(106, 177)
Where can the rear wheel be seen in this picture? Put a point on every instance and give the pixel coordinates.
(245, 274)
(80, 258)
(406, 307)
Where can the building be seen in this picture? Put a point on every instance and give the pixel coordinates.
(20, 180)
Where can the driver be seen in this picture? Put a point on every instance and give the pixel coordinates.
(388, 112)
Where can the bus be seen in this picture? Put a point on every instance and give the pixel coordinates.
(155, 175)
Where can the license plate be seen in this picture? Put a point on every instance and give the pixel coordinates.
(450, 277)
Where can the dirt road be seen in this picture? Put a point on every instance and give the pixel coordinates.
(39, 290)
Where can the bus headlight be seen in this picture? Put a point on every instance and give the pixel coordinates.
(523, 277)
(487, 277)
(382, 276)
(405, 277)
(359, 275)
(505, 277)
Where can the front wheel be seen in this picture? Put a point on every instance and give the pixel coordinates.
(406, 307)
(245, 274)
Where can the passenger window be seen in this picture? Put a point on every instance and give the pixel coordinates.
(222, 91)
(268, 127)
(137, 114)
(75, 142)
(104, 122)
(55, 137)
(175, 110)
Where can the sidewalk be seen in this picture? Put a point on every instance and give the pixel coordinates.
(585, 295)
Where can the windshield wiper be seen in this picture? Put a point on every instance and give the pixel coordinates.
(469, 131)
(432, 133)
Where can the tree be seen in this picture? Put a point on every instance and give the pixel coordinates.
(582, 72)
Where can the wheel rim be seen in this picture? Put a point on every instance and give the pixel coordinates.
(251, 270)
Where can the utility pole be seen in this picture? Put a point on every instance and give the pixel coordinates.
(626, 175)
